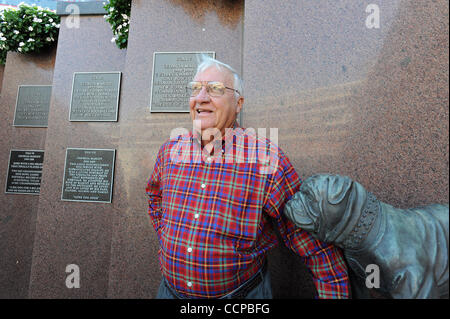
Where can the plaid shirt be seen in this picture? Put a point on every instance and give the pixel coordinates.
(212, 216)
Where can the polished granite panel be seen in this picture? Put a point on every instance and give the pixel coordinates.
(161, 26)
(368, 103)
(18, 212)
(75, 232)
(2, 70)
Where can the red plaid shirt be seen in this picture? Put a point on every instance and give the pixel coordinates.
(212, 216)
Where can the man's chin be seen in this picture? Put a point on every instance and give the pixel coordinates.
(206, 124)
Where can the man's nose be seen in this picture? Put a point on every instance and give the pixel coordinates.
(203, 94)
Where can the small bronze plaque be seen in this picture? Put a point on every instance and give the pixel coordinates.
(95, 96)
(32, 105)
(88, 175)
(172, 71)
(24, 172)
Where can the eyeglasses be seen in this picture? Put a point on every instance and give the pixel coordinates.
(213, 88)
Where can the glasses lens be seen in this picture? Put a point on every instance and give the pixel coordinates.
(216, 88)
(194, 88)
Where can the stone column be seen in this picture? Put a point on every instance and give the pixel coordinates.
(75, 232)
(18, 212)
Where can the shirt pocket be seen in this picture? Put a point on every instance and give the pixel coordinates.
(241, 208)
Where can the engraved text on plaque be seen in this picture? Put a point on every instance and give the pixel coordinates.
(172, 71)
(95, 96)
(24, 172)
(88, 175)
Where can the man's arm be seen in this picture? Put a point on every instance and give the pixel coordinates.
(324, 261)
(154, 192)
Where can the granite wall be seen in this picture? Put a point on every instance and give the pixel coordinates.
(2, 70)
(75, 232)
(370, 103)
(18, 212)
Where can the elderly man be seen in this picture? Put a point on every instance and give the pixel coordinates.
(212, 208)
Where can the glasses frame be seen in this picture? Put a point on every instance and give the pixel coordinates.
(205, 84)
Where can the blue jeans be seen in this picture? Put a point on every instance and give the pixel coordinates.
(262, 291)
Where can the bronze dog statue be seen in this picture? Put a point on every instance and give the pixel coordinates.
(410, 246)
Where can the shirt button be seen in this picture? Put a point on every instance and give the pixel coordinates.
(189, 250)
(189, 284)
(196, 216)
(203, 185)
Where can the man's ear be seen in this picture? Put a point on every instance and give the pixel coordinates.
(240, 103)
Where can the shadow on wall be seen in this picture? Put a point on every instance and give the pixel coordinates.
(2, 69)
(197, 9)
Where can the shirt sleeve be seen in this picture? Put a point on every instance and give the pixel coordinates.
(154, 191)
(325, 262)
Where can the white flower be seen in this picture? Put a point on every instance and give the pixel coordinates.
(50, 20)
(21, 44)
(124, 16)
(113, 40)
(19, 49)
(1, 34)
(48, 39)
(30, 40)
(30, 28)
(3, 38)
(16, 32)
(57, 25)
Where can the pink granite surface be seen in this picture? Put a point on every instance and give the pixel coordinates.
(18, 212)
(368, 103)
(372, 104)
(75, 232)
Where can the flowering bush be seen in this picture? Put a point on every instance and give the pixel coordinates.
(27, 29)
(119, 17)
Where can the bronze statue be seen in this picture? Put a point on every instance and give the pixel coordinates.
(410, 246)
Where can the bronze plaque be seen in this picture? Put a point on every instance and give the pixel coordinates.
(32, 105)
(172, 71)
(24, 172)
(88, 175)
(95, 96)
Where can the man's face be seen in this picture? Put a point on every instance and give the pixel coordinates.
(218, 111)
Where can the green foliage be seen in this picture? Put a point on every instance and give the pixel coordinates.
(118, 17)
(27, 29)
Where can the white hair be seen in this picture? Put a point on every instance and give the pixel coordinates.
(206, 62)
